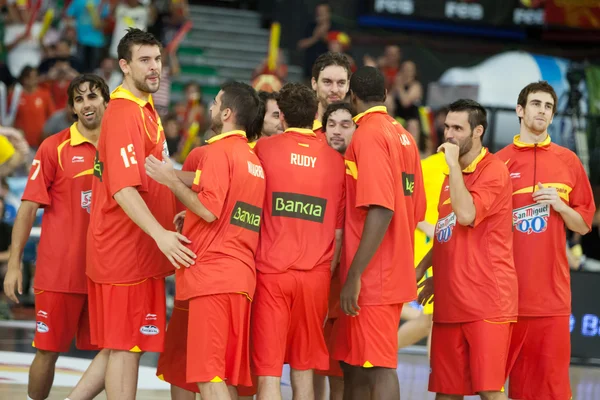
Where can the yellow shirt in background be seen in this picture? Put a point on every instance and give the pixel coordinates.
(7, 150)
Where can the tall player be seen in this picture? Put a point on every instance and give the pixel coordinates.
(385, 201)
(339, 128)
(128, 232)
(301, 235)
(330, 81)
(475, 282)
(223, 217)
(60, 181)
(550, 191)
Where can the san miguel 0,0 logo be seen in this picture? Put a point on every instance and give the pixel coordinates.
(444, 228)
(531, 219)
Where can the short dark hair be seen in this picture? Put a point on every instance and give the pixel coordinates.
(133, 37)
(243, 102)
(477, 114)
(333, 107)
(327, 59)
(299, 105)
(95, 82)
(25, 72)
(171, 116)
(368, 84)
(540, 86)
(266, 96)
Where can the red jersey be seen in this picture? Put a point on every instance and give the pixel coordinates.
(60, 180)
(118, 250)
(319, 131)
(383, 169)
(230, 183)
(539, 231)
(34, 110)
(304, 202)
(475, 277)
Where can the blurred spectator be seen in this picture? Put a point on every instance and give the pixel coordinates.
(315, 42)
(60, 120)
(172, 134)
(14, 151)
(590, 243)
(408, 94)
(389, 63)
(88, 16)
(281, 68)
(191, 110)
(5, 239)
(23, 47)
(166, 17)
(61, 51)
(339, 42)
(128, 14)
(35, 107)
(111, 73)
(162, 98)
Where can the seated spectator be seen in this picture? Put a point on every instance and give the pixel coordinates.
(111, 73)
(192, 109)
(128, 14)
(172, 134)
(57, 82)
(90, 35)
(61, 51)
(162, 98)
(408, 94)
(389, 64)
(35, 107)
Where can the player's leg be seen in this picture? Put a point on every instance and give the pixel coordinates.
(91, 383)
(178, 393)
(440, 396)
(306, 349)
(334, 374)
(541, 369)
(356, 385)
(122, 374)
(214, 390)
(383, 383)
(271, 318)
(320, 387)
(57, 317)
(336, 388)
(414, 330)
(489, 344)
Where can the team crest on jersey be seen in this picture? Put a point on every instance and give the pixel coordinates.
(532, 218)
(444, 228)
(86, 200)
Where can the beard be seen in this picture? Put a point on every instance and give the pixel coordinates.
(464, 146)
(142, 86)
(216, 125)
(95, 124)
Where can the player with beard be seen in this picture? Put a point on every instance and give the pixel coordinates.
(223, 220)
(130, 249)
(550, 191)
(272, 124)
(330, 81)
(475, 282)
(339, 128)
(60, 181)
(384, 202)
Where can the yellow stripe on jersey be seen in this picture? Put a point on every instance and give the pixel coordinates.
(197, 177)
(135, 349)
(59, 149)
(351, 169)
(562, 189)
(216, 379)
(367, 364)
(447, 201)
(86, 172)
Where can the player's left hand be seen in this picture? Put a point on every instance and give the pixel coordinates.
(451, 152)
(426, 294)
(549, 195)
(161, 171)
(349, 296)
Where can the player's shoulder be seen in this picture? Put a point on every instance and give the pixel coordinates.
(117, 107)
(506, 152)
(54, 141)
(568, 156)
(492, 164)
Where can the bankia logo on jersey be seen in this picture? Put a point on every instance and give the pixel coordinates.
(532, 218)
(444, 228)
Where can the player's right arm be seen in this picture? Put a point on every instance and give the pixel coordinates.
(424, 265)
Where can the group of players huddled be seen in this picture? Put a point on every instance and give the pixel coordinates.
(291, 236)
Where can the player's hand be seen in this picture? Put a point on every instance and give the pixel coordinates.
(171, 244)
(549, 195)
(161, 171)
(451, 151)
(178, 221)
(13, 280)
(349, 296)
(426, 294)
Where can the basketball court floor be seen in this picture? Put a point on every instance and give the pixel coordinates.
(16, 355)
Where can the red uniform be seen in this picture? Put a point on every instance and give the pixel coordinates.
(382, 169)
(303, 208)
(540, 350)
(126, 267)
(319, 131)
(230, 183)
(475, 285)
(60, 180)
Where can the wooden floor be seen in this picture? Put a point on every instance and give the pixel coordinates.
(16, 354)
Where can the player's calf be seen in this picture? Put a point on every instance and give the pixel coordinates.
(41, 374)
(383, 383)
(493, 396)
(440, 396)
(269, 387)
(302, 384)
(122, 374)
(215, 391)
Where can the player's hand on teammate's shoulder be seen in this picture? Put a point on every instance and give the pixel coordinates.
(349, 296)
(172, 245)
(161, 171)
(13, 281)
(426, 294)
(549, 195)
(178, 221)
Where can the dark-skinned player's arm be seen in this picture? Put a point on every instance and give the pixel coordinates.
(337, 253)
(424, 264)
(376, 224)
(20, 234)
(164, 173)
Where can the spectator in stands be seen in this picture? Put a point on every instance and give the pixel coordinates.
(61, 52)
(408, 94)
(88, 16)
(24, 48)
(128, 14)
(57, 82)
(590, 243)
(389, 64)
(5, 238)
(172, 134)
(110, 73)
(280, 71)
(14, 151)
(192, 109)
(35, 107)
(315, 42)
(162, 98)
(339, 42)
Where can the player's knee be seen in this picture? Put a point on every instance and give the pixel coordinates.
(47, 356)
(492, 395)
